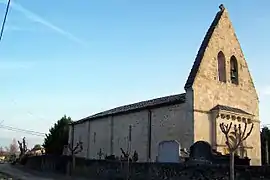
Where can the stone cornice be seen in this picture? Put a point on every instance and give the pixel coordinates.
(223, 114)
(217, 113)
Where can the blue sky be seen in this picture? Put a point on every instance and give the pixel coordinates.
(80, 57)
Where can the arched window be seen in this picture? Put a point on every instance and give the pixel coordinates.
(221, 67)
(234, 70)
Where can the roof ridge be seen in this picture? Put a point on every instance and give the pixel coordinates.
(203, 47)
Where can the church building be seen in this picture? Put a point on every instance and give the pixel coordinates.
(219, 89)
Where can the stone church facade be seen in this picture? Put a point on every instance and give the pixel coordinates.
(219, 89)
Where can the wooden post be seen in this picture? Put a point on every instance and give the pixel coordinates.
(231, 165)
(266, 151)
(129, 149)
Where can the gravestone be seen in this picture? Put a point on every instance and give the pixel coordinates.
(201, 152)
(169, 152)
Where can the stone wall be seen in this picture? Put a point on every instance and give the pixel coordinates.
(101, 169)
(49, 163)
(107, 135)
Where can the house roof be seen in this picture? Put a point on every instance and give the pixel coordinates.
(228, 108)
(202, 49)
(153, 103)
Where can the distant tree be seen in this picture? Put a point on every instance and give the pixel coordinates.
(57, 137)
(6, 149)
(265, 138)
(13, 147)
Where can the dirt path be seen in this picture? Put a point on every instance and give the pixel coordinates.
(18, 174)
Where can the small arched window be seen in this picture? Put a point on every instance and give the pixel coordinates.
(221, 67)
(234, 70)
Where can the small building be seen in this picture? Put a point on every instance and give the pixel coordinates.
(219, 89)
(37, 151)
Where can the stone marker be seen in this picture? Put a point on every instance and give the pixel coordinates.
(201, 152)
(169, 152)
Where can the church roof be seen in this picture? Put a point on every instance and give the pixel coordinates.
(202, 49)
(228, 108)
(153, 103)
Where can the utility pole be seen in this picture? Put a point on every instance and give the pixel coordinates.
(4, 21)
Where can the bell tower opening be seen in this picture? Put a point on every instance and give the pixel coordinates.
(234, 70)
(221, 67)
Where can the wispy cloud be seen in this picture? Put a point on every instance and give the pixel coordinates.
(36, 18)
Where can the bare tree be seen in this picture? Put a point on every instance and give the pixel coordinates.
(125, 154)
(75, 150)
(23, 147)
(13, 147)
(1, 151)
(6, 149)
(234, 137)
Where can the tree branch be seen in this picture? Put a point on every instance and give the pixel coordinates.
(237, 136)
(225, 130)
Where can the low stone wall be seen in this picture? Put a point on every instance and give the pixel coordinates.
(99, 169)
(147, 171)
(102, 169)
(49, 163)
